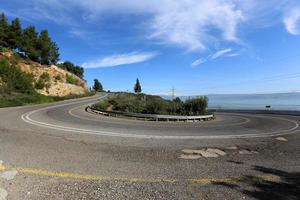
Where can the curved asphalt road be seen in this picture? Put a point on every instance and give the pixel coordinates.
(60, 151)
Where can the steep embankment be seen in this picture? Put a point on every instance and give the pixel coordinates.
(48, 80)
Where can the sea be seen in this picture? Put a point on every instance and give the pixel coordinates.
(275, 101)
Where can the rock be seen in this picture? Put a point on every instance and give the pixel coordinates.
(217, 151)
(245, 152)
(281, 139)
(189, 157)
(3, 194)
(9, 175)
(231, 148)
(207, 154)
(188, 151)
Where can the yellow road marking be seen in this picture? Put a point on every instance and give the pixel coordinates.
(198, 181)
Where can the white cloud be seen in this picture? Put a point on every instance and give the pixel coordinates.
(232, 54)
(187, 23)
(120, 59)
(190, 23)
(292, 21)
(198, 62)
(220, 53)
(195, 25)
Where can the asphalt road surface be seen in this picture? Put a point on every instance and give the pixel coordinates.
(60, 151)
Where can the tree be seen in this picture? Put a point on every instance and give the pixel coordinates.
(196, 106)
(49, 52)
(54, 53)
(97, 86)
(15, 34)
(44, 46)
(4, 28)
(137, 87)
(37, 47)
(70, 67)
(29, 43)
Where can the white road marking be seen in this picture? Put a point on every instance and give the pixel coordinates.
(26, 117)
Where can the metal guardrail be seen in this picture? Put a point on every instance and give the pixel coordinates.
(153, 117)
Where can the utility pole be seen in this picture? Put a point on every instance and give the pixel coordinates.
(173, 93)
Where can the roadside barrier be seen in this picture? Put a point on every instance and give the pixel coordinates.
(151, 117)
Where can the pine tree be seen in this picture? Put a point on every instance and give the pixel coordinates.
(97, 86)
(29, 43)
(54, 53)
(15, 34)
(4, 28)
(44, 46)
(137, 86)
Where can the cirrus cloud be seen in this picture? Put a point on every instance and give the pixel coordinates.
(194, 25)
(228, 52)
(120, 59)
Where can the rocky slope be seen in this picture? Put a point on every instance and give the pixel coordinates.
(49, 80)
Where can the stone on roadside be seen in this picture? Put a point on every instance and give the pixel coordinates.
(9, 175)
(245, 152)
(189, 157)
(3, 194)
(231, 148)
(281, 139)
(217, 151)
(207, 154)
(188, 151)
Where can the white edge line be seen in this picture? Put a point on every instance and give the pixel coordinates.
(26, 118)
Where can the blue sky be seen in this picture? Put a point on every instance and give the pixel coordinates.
(195, 46)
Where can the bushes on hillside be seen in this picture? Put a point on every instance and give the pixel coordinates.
(43, 81)
(77, 70)
(14, 80)
(149, 104)
(72, 80)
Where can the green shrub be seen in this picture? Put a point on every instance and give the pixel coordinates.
(43, 81)
(70, 67)
(58, 77)
(149, 104)
(15, 80)
(45, 77)
(40, 84)
(18, 99)
(72, 80)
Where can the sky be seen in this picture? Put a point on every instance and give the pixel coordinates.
(197, 47)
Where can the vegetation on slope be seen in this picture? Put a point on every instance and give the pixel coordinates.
(38, 47)
(149, 104)
(25, 74)
(16, 87)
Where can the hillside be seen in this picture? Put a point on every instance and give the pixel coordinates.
(48, 80)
